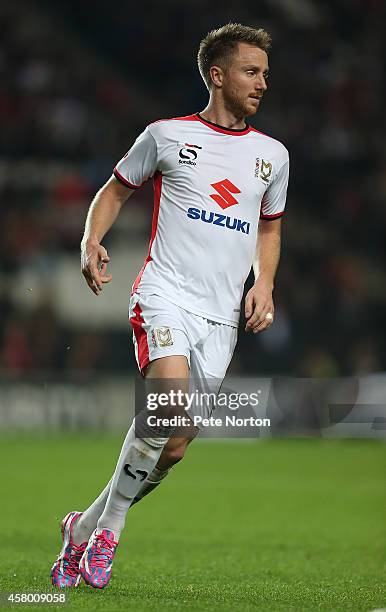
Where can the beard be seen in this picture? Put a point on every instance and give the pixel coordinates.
(237, 104)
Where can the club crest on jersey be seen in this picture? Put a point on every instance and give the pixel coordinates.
(263, 170)
(187, 153)
(161, 336)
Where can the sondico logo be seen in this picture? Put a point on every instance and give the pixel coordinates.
(188, 154)
(223, 198)
(127, 468)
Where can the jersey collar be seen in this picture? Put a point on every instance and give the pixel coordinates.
(222, 129)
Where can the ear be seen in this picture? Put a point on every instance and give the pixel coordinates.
(216, 76)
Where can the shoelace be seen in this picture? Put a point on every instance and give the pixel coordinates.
(73, 559)
(102, 551)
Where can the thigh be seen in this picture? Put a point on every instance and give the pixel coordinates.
(163, 335)
(209, 363)
(174, 366)
(158, 332)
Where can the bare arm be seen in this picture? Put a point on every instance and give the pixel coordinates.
(268, 250)
(258, 301)
(102, 213)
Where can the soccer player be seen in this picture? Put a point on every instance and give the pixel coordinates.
(219, 190)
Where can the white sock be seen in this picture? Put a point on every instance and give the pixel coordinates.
(88, 521)
(137, 460)
(86, 524)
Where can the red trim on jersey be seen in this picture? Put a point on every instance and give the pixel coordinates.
(214, 126)
(140, 337)
(187, 118)
(271, 217)
(223, 130)
(157, 198)
(122, 179)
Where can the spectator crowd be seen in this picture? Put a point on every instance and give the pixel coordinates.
(72, 99)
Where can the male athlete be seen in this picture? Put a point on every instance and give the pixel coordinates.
(219, 189)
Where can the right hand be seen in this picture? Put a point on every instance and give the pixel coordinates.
(94, 260)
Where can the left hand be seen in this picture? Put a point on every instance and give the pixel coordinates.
(258, 303)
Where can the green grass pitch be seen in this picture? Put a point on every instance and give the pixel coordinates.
(271, 525)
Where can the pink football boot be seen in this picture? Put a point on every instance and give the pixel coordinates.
(65, 570)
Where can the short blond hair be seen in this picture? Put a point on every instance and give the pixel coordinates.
(218, 46)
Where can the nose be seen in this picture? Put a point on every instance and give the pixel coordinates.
(261, 83)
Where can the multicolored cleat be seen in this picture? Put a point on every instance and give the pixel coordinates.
(95, 565)
(65, 570)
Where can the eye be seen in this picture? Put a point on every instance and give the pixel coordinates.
(251, 72)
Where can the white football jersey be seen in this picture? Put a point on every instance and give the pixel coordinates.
(211, 186)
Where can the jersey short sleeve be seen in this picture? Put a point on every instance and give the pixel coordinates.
(139, 163)
(273, 202)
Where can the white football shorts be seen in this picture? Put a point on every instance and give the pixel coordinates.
(161, 329)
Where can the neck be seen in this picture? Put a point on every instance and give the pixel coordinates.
(216, 112)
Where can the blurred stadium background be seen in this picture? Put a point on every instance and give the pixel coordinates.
(78, 83)
(303, 527)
